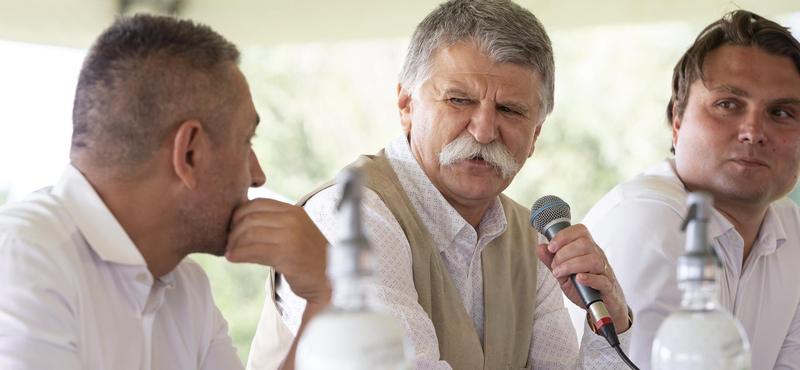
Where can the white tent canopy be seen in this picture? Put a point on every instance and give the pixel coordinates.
(75, 23)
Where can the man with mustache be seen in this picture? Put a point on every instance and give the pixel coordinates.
(735, 119)
(457, 261)
(93, 271)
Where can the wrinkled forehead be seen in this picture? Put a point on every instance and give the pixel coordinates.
(465, 60)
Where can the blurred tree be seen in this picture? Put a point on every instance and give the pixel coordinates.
(3, 195)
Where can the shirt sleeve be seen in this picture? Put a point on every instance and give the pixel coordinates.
(393, 289)
(554, 345)
(38, 310)
(641, 240)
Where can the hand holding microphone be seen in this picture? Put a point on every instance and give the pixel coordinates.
(580, 266)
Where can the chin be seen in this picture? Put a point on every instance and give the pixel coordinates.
(219, 251)
(746, 194)
(478, 191)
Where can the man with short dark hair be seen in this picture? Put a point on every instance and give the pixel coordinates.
(457, 261)
(93, 271)
(735, 119)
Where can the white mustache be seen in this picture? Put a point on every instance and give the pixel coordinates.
(495, 153)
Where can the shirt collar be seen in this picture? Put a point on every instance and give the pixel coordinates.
(772, 235)
(442, 220)
(95, 221)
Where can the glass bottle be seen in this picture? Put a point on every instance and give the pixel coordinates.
(349, 335)
(700, 334)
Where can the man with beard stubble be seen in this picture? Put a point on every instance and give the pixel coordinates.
(93, 271)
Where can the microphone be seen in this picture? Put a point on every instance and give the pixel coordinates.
(549, 215)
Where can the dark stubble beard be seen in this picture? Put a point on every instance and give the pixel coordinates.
(201, 232)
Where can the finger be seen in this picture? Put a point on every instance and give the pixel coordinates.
(545, 256)
(590, 263)
(254, 235)
(567, 236)
(599, 282)
(257, 220)
(262, 254)
(577, 248)
(260, 205)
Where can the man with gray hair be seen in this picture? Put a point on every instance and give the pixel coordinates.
(457, 262)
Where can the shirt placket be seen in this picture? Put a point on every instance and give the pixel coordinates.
(729, 249)
(150, 298)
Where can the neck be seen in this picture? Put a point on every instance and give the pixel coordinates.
(746, 220)
(473, 215)
(144, 217)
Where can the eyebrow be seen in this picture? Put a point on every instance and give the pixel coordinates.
(739, 92)
(456, 92)
(731, 90)
(517, 106)
(787, 101)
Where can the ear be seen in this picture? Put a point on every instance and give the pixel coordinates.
(535, 136)
(676, 126)
(186, 152)
(405, 107)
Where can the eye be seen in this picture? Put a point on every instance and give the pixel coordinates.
(727, 104)
(780, 113)
(459, 100)
(507, 110)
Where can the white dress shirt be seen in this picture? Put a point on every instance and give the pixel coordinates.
(638, 226)
(75, 293)
(554, 344)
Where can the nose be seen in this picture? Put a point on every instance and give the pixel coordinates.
(752, 128)
(482, 125)
(257, 176)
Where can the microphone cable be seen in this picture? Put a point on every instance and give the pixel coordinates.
(625, 358)
(609, 331)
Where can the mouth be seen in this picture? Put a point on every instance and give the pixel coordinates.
(749, 162)
(477, 160)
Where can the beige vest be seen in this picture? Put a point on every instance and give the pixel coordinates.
(509, 279)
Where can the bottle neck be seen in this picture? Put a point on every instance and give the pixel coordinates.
(350, 293)
(699, 296)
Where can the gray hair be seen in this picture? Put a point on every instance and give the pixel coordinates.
(503, 30)
(143, 76)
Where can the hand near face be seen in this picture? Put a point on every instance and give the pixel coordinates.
(573, 251)
(281, 235)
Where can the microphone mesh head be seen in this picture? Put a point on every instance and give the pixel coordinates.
(547, 209)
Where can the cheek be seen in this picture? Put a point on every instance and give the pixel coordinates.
(518, 138)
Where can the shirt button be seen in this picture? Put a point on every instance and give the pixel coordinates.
(594, 354)
(141, 278)
(734, 238)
